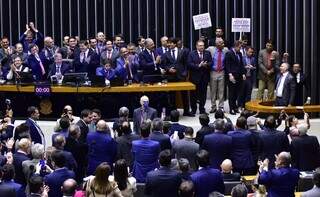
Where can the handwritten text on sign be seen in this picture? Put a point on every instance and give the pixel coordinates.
(240, 25)
(202, 21)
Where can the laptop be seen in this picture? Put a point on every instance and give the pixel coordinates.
(98, 81)
(26, 78)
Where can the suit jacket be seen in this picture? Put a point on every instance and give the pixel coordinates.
(241, 149)
(263, 62)
(7, 191)
(235, 176)
(314, 192)
(300, 85)
(163, 181)
(163, 140)
(207, 180)
(111, 74)
(125, 147)
(36, 133)
(56, 179)
(38, 40)
(18, 158)
(65, 68)
(177, 127)
(114, 56)
(160, 51)
(147, 63)
(71, 163)
(26, 167)
(145, 153)
(122, 70)
(34, 64)
(205, 130)
(289, 88)
(48, 55)
(84, 131)
(89, 65)
(197, 73)
(101, 148)
(179, 64)
(219, 147)
(234, 65)
(19, 189)
(305, 153)
(280, 182)
(273, 142)
(151, 113)
(186, 148)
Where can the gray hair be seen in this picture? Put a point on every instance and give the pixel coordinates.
(123, 112)
(239, 190)
(148, 41)
(219, 124)
(157, 124)
(73, 129)
(302, 128)
(37, 151)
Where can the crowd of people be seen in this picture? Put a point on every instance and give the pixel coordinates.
(88, 158)
(236, 69)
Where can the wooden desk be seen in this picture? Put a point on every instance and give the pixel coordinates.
(173, 86)
(267, 107)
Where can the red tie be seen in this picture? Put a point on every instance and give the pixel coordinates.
(219, 62)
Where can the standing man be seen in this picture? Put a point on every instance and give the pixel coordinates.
(285, 89)
(27, 37)
(217, 74)
(199, 62)
(268, 62)
(301, 81)
(109, 53)
(36, 133)
(164, 46)
(149, 59)
(236, 75)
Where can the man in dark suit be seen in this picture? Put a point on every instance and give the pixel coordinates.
(273, 141)
(242, 148)
(157, 135)
(199, 62)
(142, 114)
(110, 54)
(86, 61)
(281, 181)
(36, 133)
(206, 180)
(36, 63)
(58, 68)
(301, 82)
(78, 149)
(163, 181)
(227, 173)
(8, 172)
(101, 147)
(124, 143)
(164, 46)
(85, 120)
(69, 51)
(236, 75)
(59, 175)
(149, 59)
(186, 148)
(48, 51)
(257, 144)
(174, 61)
(285, 89)
(20, 156)
(175, 126)
(145, 153)
(218, 144)
(204, 120)
(59, 143)
(28, 38)
(305, 150)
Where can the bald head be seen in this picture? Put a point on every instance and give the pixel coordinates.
(149, 44)
(302, 128)
(284, 67)
(102, 125)
(69, 187)
(283, 160)
(226, 166)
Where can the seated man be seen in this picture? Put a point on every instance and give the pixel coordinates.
(226, 169)
(58, 68)
(106, 71)
(16, 68)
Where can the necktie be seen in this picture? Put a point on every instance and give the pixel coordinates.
(109, 55)
(58, 69)
(201, 56)
(219, 61)
(129, 71)
(41, 65)
(82, 57)
(173, 54)
(154, 59)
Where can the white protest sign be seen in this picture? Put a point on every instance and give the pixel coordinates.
(202, 21)
(240, 25)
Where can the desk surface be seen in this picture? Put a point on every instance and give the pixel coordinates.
(172, 86)
(266, 107)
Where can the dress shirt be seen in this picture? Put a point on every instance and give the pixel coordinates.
(174, 53)
(215, 60)
(281, 83)
(84, 55)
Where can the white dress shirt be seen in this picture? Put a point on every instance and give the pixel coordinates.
(280, 84)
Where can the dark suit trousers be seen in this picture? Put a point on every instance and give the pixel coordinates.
(245, 93)
(234, 93)
(281, 102)
(199, 94)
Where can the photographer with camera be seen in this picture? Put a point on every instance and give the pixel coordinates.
(68, 113)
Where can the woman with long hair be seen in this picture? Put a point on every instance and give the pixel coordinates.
(100, 186)
(126, 183)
